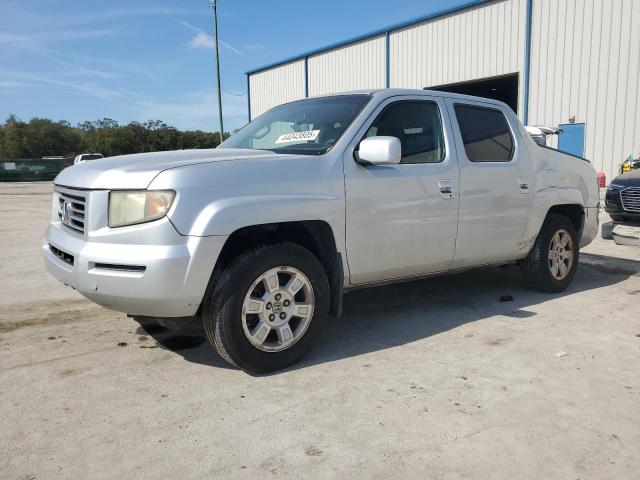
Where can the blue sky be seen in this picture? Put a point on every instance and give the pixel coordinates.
(136, 60)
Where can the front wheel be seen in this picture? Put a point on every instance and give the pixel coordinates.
(553, 260)
(268, 307)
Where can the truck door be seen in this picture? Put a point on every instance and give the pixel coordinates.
(401, 220)
(495, 184)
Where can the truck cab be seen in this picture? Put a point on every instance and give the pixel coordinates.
(259, 238)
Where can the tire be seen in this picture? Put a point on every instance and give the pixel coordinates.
(537, 267)
(236, 332)
(607, 231)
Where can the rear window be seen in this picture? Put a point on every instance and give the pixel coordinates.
(485, 134)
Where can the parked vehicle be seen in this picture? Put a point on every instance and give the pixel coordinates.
(259, 239)
(541, 133)
(622, 201)
(84, 157)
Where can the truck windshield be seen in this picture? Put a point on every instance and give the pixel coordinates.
(308, 127)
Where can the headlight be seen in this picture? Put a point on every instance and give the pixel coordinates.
(615, 186)
(131, 208)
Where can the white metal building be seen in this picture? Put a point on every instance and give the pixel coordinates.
(568, 63)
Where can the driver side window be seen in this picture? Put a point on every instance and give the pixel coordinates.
(418, 126)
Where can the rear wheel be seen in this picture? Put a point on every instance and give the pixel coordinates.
(553, 260)
(268, 307)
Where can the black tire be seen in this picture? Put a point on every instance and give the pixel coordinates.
(222, 308)
(607, 231)
(535, 267)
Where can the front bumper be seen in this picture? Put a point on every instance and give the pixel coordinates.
(166, 277)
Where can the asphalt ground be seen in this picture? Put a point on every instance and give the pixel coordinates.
(464, 376)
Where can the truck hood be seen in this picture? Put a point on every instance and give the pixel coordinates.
(138, 170)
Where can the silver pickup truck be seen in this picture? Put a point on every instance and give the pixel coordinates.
(259, 238)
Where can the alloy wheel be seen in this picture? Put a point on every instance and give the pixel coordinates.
(561, 254)
(278, 309)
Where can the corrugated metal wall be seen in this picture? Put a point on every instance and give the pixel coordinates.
(277, 85)
(357, 66)
(585, 62)
(478, 42)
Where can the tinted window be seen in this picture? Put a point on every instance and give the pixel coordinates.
(485, 134)
(417, 125)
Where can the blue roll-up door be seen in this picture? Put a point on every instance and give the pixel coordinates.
(571, 139)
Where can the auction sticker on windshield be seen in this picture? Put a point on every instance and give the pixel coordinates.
(309, 135)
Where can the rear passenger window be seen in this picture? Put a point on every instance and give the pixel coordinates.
(417, 124)
(485, 134)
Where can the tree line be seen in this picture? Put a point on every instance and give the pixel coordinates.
(41, 137)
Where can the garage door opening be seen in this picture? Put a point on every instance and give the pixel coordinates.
(503, 88)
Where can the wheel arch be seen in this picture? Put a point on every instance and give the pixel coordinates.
(568, 202)
(316, 236)
(573, 211)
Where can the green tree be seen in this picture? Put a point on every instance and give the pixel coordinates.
(13, 138)
(45, 137)
(40, 137)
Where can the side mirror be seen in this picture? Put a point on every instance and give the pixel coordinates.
(380, 151)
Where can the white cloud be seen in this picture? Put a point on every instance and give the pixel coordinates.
(128, 13)
(72, 69)
(201, 40)
(38, 44)
(197, 111)
(14, 85)
(75, 34)
(20, 79)
(42, 39)
(204, 40)
(40, 20)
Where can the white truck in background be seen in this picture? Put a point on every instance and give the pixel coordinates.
(84, 157)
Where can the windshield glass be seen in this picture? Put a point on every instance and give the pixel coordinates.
(310, 126)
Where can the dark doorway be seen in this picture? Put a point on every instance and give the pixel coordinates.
(503, 88)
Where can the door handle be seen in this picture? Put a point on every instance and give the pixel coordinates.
(523, 183)
(446, 188)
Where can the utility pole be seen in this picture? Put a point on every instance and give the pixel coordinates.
(213, 4)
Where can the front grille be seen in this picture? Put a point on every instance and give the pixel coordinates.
(631, 199)
(72, 207)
